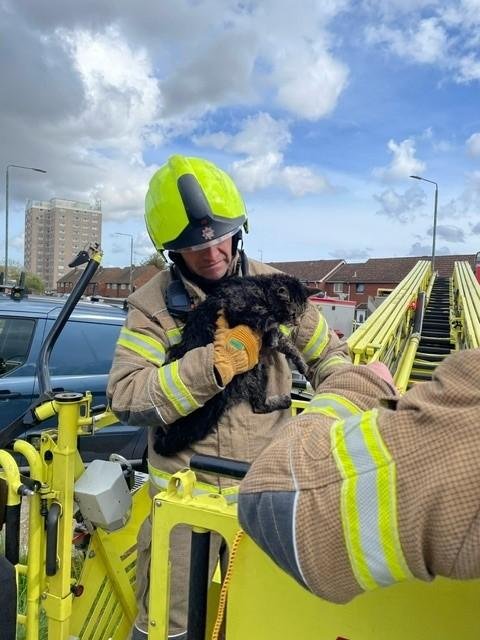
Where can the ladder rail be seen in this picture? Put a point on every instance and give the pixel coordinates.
(466, 309)
(384, 335)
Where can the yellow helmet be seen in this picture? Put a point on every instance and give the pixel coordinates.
(192, 204)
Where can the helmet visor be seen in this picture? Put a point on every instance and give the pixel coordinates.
(208, 243)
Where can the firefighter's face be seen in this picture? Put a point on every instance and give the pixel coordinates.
(211, 263)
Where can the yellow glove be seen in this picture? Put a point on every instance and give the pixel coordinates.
(235, 350)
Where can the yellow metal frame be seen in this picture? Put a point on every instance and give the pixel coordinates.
(384, 335)
(264, 603)
(465, 318)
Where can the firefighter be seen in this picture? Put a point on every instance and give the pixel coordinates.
(194, 211)
(355, 496)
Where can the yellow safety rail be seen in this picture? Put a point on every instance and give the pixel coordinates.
(466, 307)
(263, 603)
(384, 335)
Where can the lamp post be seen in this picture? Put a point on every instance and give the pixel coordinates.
(129, 235)
(16, 166)
(434, 233)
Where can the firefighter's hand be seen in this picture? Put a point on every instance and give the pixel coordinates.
(381, 370)
(236, 349)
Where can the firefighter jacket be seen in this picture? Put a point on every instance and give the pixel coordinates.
(354, 497)
(145, 391)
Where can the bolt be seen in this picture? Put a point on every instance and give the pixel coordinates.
(91, 554)
(158, 503)
(153, 623)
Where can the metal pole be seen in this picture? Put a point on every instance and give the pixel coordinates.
(198, 585)
(131, 264)
(6, 227)
(434, 227)
(129, 235)
(434, 231)
(17, 166)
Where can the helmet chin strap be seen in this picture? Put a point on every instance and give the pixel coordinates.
(242, 266)
(237, 239)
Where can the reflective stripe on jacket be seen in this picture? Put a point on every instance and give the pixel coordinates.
(368, 501)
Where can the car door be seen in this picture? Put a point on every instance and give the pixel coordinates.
(80, 361)
(20, 341)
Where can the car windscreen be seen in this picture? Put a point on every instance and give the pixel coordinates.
(15, 338)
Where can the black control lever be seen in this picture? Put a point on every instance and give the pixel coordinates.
(219, 466)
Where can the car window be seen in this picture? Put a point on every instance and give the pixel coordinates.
(84, 348)
(15, 338)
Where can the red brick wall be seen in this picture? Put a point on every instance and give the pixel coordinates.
(350, 289)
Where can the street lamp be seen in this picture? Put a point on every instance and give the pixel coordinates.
(16, 166)
(129, 235)
(434, 234)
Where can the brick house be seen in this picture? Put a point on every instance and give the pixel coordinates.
(359, 281)
(109, 282)
(314, 273)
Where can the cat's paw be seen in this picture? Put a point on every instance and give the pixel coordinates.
(277, 403)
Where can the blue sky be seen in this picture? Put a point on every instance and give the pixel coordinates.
(320, 110)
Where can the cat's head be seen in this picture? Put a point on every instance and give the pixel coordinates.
(287, 297)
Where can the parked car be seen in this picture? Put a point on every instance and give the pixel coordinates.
(80, 361)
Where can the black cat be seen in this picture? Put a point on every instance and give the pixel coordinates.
(261, 302)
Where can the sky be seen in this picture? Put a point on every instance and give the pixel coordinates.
(319, 109)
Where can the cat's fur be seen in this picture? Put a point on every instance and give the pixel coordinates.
(261, 302)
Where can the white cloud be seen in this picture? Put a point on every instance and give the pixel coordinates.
(218, 72)
(260, 133)
(121, 93)
(351, 255)
(301, 180)
(262, 139)
(257, 135)
(473, 145)
(143, 245)
(404, 162)
(425, 43)
(451, 233)
(218, 140)
(468, 68)
(402, 207)
(121, 189)
(309, 81)
(448, 38)
(418, 249)
(257, 172)
(394, 8)
(17, 242)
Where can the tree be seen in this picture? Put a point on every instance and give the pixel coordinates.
(32, 281)
(156, 259)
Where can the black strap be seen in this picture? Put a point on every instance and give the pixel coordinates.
(177, 299)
